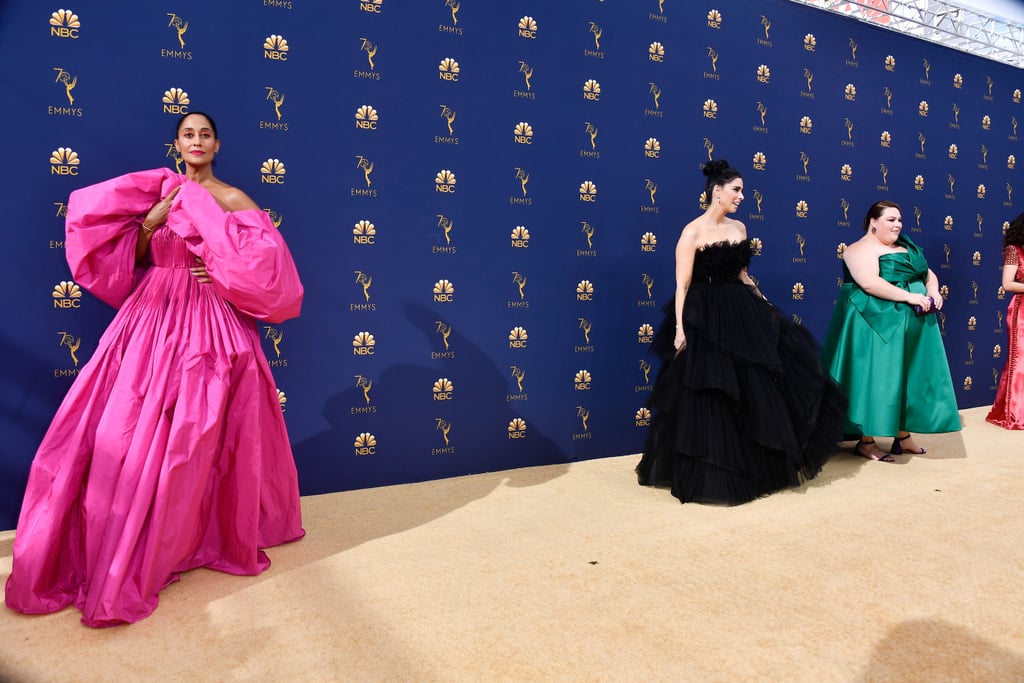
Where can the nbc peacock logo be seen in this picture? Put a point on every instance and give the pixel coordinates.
(798, 291)
(444, 292)
(710, 109)
(810, 42)
(1011, 162)
(175, 101)
(760, 161)
(953, 151)
(584, 290)
(588, 191)
(764, 74)
(958, 81)
(986, 122)
(517, 428)
(364, 232)
(363, 344)
(652, 148)
(517, 338)
(272, 172)
(371, 6)
(582, 380)
(527, 28)
(947, 223)
(656, 52)
(968, 383)
(756, 246)
(64, 161)
(976, 258)
(444, 182)
(365, 444)
(448, 70)
(648, 242)
(275, 48)
(922, 108)
(981, 191)
(840, 250)
(890, 63)
(919, 183)
(997, 351)
(801, 211)
(642, 418)
(443, 389)
(520, 237)
(886, 139)
(67, 294)
(64, 24)
(282, 401)
(591, 90)
(367, 118)
(806, 125)
(850, 92)
(645, 334)
(846, 173)
(523, 133)
(714, 19)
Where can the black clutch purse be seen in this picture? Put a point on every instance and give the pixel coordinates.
(920, 311)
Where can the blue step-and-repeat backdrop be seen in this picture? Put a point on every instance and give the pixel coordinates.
(483, 198)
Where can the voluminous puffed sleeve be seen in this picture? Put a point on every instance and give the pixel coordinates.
(244, 254)
(102, 230)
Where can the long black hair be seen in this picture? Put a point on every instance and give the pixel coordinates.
(1015, 233)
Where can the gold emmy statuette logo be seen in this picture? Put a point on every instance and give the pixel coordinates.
(806, 125)
(999, 321)
(517, 428)
(956, 114)
(947, 223)
(840, 250)
(275, 218)
(282, 401)
(520, 237)
(1011, 162)
(523, 177)
(760, 161)
(809, 77)
(586, 326)
(885, 173)
(652, 150)
(968, 383)
(997, 351)
(951, 180)
(518, 374)
(927, 69)
(523, 133)
(275, 336)
(272, 172)
(758, 199)
(448, 70)
(890, 63)
(444, 181)
(764, 74)
(527, 72)
(371, 51)
(767, 24)
(947, 250)
(917, 216)
(527, 28)
(70, 82)
(648, 283)
(713, 56)
(64, 24)
(642, 417)
(853, 49)
(656, 52)
(921, 139)
(980, 220)
(648, 242)
(990, 83)
(944, 292)
(849, 128)
(365, 281)
(715, 19)
(1013, 123)
(445, 427)
(443, 389)
(919, 182)
(762, 109)
(846, 173)
(582, 380)
(449, 116)
(69, 341)
(592, 90)
(651, 187)
(958, 81)
(364, 383)
(64, 161)
(175, 101)
(645, 334)
(596, 31)
(517, 337)
(922, 108)
(588, 232)
(446, 224)
(798, 291)
(981, 191)
(974, 290)
(584, 290)
(710, 109)
(709, 147)
(583, 414)
(454, 6)
(176, 155)
(810, 42)
(645, 368)
(1009, 193)
(275, 47)
(444, 291)
(801, 212)
(888, 98)
(953, 151)
(591, 130)
(366, 443)
(277, 98)
(986, 122)
(976, 258)
(364, 232)
(519, 280)
(588, 191)
(367, 117)
(845, 206)
(180, 27)
(656, 94)
(756, 246)
(363, 344)
(445, 331)
(850, 92)
(886, 139)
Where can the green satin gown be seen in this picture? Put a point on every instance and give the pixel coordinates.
(890, 361)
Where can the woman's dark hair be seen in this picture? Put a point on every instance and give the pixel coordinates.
(213, 125)
(1015, 233)
(876, 210)
(718, 172)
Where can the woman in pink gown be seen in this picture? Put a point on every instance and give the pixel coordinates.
(169, 451)
(1008, 408)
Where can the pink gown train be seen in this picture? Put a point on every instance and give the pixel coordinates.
(1008, 407)
(169, 452)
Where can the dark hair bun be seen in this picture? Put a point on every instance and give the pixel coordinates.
(715, 168)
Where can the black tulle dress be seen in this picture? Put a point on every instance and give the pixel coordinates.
(746, 408)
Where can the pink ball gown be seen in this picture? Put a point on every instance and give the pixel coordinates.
(169, 452)
(1008, 406)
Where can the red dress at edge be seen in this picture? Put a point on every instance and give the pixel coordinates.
(169, 451)
(1008, 408)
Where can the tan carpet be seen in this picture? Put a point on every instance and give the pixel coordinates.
(872, 572)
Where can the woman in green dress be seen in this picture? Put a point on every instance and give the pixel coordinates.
(882, 347)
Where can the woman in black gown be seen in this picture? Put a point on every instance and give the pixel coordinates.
(741, 406)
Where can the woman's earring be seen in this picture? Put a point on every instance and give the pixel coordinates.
(873, 230)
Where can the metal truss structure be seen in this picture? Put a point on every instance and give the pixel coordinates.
(939, 21)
